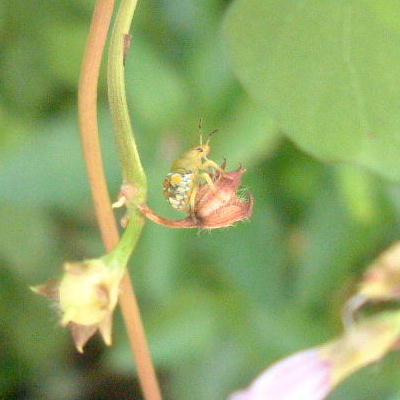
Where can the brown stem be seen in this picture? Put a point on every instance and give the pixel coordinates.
(87, 106)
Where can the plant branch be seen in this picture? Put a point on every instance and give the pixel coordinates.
(132, 170)
(87, 105)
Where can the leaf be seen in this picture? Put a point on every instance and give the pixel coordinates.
(327, 71)
(388, 11)
(246, 121)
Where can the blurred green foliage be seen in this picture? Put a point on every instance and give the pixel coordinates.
(327, 71)
(218, 306)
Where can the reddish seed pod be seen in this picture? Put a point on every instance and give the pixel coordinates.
(215, 207)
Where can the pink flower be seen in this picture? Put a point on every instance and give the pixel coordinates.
(313, 373)
(302, 376)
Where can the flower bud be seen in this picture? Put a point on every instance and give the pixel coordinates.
(215, 207)
(87, 294)
(381, 282)
(364, 343)
(382, 279)
(223, 207)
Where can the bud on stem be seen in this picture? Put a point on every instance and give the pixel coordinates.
(87, 292)
(216, 207)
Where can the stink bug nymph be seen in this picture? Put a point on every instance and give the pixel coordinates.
(187, 174)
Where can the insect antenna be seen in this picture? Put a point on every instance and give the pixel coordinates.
(201, 130)
(210, 134)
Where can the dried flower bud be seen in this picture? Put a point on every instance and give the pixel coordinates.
(381, 282)
(312, 374)
(216, 207)
(86, 294)
(382, 279)
(364, 343)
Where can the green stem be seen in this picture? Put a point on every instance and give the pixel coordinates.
(124, 249)
(132, 170)
(133, 175)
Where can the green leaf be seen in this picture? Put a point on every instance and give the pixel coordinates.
(246, 121)
(327, 71)
(388, 11)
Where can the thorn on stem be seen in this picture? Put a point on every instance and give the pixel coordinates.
(119, 203)
(127, 45)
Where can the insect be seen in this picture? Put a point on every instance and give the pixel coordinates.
(187, 173)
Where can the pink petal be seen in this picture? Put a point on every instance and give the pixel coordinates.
(302, 376)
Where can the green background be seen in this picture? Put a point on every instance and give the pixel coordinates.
(306, 96)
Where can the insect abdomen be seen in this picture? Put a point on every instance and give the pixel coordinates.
(177, 189)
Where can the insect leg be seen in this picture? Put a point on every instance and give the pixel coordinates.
(209, 181)
(192, 199)
(210, 163)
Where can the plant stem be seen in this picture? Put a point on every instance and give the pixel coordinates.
(123, 250)
(87, 105)
(132, 170)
